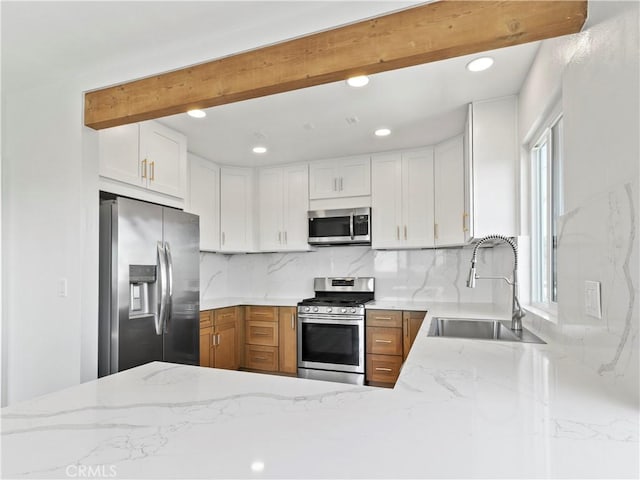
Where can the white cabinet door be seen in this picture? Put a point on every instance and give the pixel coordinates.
(204, 200)
(322, 180)
(164, 152)
(340, 177)
(449, 194)
(296, 206)
(468, 176)
(236, 207)
(418, 199)
(119, 156)
(354, 176)
(494, 167)
(270, 205)
(386, 200)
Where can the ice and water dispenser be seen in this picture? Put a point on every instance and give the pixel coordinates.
(142, 294)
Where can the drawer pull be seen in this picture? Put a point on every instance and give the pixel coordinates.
(382, 341)
(260, 334)
(261, 314)
(259, 358)
(383, 369)
(383, 318)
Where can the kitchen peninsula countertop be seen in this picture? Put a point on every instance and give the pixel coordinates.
(461, 408)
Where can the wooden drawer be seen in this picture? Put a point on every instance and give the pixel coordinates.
(383, 368)
(206, 319)
(225, 315)
(265, 314)
(261, 333)
(384, 341)
(261, 358)
(384, 318)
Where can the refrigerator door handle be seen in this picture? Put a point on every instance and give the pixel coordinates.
(162, 289)
(169, 302)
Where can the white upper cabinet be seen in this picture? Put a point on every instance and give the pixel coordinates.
(283, 205)
(236, 209)
(449, 192)
(491, 168)
(402, 199)
(204, 200)
(340, 177)
(147, 155)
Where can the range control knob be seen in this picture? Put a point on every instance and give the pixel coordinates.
(329, 309)
(306, 309)
(343, 310)
(353, 310)
(315, 309)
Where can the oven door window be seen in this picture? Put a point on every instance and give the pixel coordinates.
(330, 227)
(337, 344)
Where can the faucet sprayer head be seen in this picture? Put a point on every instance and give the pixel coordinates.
(471, 281)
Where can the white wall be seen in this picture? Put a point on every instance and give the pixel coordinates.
(597, 73)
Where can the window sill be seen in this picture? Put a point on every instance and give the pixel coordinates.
(543, 311)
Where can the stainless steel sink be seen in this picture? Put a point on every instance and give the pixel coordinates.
(479, 329)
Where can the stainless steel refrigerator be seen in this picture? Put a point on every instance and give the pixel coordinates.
(149, 285)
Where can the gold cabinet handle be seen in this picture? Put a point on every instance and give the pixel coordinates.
(405, 232)
(382, 341)
(398, 232)
(383, 318)
(406, 327)
(144, 168)
(152, 166)
(260, 334)
(285, 237)
(383, 369)
(293, 321)
(464, 222)
(435, 230)
(279, 237)
(259, 358)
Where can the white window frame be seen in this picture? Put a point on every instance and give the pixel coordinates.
(541, 302)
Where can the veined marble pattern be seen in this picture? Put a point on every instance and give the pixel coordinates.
(415, 275)
(605, 251)
(510, 410)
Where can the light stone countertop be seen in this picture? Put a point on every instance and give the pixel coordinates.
(461, 408)
(210, 304)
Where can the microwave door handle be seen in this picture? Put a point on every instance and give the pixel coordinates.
(351, 226)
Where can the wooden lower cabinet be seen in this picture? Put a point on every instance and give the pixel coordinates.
(411, 323)
(258, 357)
(219, 338)
(288, 344)
(383, 369)
(389, 336)
(271, 339)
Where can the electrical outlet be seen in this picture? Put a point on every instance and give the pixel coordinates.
(592, 301)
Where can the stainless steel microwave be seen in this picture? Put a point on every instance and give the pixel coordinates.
(340, 227)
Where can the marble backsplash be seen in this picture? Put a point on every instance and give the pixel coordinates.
(430, 275)
(604, 251)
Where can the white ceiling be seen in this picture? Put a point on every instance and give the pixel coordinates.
(422, 105)
(46, 41)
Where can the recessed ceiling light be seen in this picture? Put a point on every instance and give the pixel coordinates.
(197, 113)
(479, 64)
(382, 132)
(259, 149)
(257, 466)
(359, 81)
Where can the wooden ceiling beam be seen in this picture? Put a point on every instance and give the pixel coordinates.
(422, 34)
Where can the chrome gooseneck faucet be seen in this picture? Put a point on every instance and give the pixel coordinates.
(516, 309)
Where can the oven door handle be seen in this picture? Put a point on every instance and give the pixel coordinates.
(330, 320)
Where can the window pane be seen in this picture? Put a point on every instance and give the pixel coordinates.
(556, 201)
(543, 237)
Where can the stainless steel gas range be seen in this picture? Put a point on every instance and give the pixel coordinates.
(331, 329)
